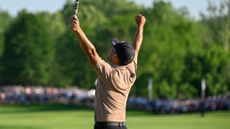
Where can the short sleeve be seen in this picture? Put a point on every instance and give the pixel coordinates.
(103, 69)
(132, 67)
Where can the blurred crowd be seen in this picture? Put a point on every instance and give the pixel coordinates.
(46, 95)
(81, 97)
(160, 106)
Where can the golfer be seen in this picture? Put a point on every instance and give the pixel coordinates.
(116, 78)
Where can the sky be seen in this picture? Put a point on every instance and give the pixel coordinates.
(13, 6)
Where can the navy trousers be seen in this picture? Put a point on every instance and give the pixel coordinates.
(109, 127)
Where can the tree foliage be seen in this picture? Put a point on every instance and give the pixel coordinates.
(177, 53)
(28, 51)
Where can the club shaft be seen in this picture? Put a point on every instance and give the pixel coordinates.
(76, 6)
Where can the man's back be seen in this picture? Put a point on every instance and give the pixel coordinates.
(114, 82)
(113, 87)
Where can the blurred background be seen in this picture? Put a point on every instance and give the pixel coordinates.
(46, 81)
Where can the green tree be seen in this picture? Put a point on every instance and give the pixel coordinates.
(177, 52)
(211, 64)
(28, 51)
(218, 21)
(100, 27)
(56, 28)
(169, 35)
(54, 23)
(5, 20)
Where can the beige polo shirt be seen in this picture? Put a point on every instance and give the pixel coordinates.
(112, 90)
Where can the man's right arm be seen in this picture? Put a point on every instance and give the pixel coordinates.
(102, 68)
(85, 43)
(140, 21)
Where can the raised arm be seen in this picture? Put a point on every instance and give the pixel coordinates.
(140, 21)
(85, 44)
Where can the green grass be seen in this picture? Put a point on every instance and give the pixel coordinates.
(72, 117)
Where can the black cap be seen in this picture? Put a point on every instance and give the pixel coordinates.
(125, 51)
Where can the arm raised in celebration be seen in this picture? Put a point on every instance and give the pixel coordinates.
(140, 21)
(85, 43)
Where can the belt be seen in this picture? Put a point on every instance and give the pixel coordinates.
(119, 124)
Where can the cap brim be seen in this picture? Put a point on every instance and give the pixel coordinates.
(115, 41)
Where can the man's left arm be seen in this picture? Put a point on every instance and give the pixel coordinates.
(140, 21)
(85, 43)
